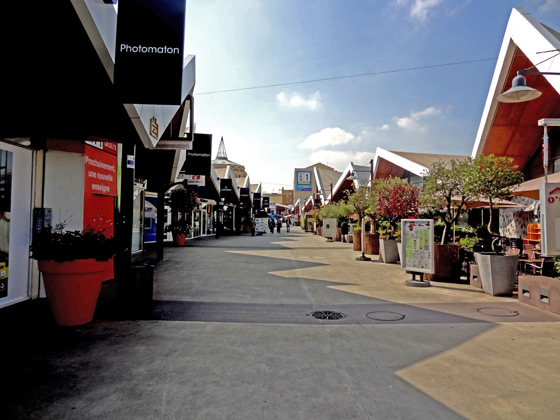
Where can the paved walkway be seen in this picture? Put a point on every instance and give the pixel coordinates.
(230, 337)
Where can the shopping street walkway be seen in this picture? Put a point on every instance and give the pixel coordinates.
(230, 336)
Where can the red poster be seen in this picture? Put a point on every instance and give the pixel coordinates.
(101, 172)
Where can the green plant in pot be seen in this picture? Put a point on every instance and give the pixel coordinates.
(73, 265)
(496, 178)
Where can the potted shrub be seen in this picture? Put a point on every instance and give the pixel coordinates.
(496, 178)
(72, 264)
(182, 201)
(180, 230)
(448, 187)
(396, 198)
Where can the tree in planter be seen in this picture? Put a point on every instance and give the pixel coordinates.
(494, 178)
(396, 198)
(451, 185)
(360, 200)
(182, 201)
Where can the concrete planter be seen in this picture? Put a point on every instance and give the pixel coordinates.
(497, 272)
(388, 250)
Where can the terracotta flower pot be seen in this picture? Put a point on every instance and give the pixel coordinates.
(72, 289)
(180, 239)
(371, 243)
(357, 244)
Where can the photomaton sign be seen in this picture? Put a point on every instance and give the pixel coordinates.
(198, 160)
(149, 52)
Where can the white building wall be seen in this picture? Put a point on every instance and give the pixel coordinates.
(64, 188)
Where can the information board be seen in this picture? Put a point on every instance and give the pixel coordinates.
(417, 237)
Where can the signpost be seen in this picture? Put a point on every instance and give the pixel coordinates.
(417, 256)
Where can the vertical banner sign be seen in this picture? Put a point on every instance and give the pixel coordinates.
(417, 238)
(101, 172)
(149, 51)
(6, 160)
(226, 190)
(303, 180)
(244, 195)
(199, 159)
(550, 219)
(266, 202)
(257, 201)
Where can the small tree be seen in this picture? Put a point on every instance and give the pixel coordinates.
(360, 201)
(396, 198)
(448, 185)
(494, 178)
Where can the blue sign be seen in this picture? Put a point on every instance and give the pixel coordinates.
(303, 180)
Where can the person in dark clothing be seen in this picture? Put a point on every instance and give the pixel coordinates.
(278, 225)
(271, 225)
(252, 226)
(218, 229)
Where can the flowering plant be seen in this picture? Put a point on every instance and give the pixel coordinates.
(62, 245)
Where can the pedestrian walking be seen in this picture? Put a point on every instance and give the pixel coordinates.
(278, 225)
(271, 225)
(288, 223)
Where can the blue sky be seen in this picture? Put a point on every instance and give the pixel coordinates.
(244, 44)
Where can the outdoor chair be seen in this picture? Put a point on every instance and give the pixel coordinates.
(539, 268)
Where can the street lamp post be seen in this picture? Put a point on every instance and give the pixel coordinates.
(353, 177)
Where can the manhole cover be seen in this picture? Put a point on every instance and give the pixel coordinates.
(385, 316)
(503, 312)
(330, 315)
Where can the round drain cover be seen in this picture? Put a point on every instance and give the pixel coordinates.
(503, 312)
(330, 315)
(385, 316)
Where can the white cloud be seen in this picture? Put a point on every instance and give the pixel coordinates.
(419, 8)
(384, 127)
(413, 122)
(327, 137)
(339, 160)
(295, 100)
(549, 5)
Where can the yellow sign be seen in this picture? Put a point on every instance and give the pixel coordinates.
(154, 127)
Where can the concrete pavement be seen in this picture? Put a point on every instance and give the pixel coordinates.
(230, 337)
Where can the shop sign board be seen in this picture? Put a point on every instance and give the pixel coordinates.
(107, 146)
(266, 202)
(329, 228)
(101, 172)
(197, 180)
(226, 190)
(244, 195)
(149, 51)
(257, 201)
(417, 239)
(198, 160)
(180, 143)
(303, 180)
(550, 218)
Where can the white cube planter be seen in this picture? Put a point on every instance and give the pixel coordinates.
(497, 272)
(388, 250)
